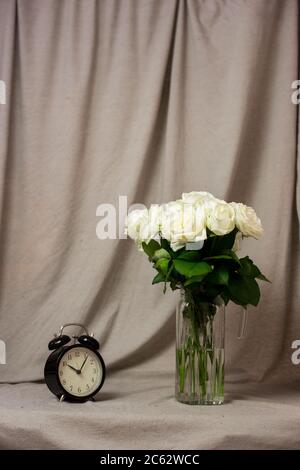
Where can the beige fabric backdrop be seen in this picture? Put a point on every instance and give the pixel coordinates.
(145, 99)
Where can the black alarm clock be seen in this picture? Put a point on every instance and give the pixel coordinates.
(74, 372)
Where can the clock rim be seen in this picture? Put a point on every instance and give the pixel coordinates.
(60, 354)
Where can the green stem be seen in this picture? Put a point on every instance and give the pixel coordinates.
(200, 366)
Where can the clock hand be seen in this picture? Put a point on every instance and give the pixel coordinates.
(76, 370)
(84, 362)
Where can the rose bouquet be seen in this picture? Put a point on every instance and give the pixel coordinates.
(192, 243)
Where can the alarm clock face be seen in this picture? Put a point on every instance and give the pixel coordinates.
(80, 371)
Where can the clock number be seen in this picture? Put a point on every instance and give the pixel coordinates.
(64, 363)
(64, 381)
(93, 380)
(71, 387)
(69, 356)
(61, 373)
(77, 354)
(87, 386)
(92, 362)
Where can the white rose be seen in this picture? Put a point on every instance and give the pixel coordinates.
(182, 223)
(200, 223)
(171, 219)
(155, 212)
(220, 217)
(198, 197)
(246, 220)
(137, 225)
(237, 242)
(142, 225)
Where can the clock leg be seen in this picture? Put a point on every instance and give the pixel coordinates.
(62, 398)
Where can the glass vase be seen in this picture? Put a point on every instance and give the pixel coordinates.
(200, 357)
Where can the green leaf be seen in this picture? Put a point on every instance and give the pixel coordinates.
(168, 276)
(261, 277)
(161, 253)
(227, 256)
(219, 276)
(218, 257)
(191, 268)
(170, 269)
(162, 265)
(158, 278)
(249, 269)
(255, 272)
(232, 254)
(189, 255)
(243, 290)
(226, 242)
(194, 280)
(216, 244)
(212, 291)
(150, 248)
(165, 244)
(225, 296)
